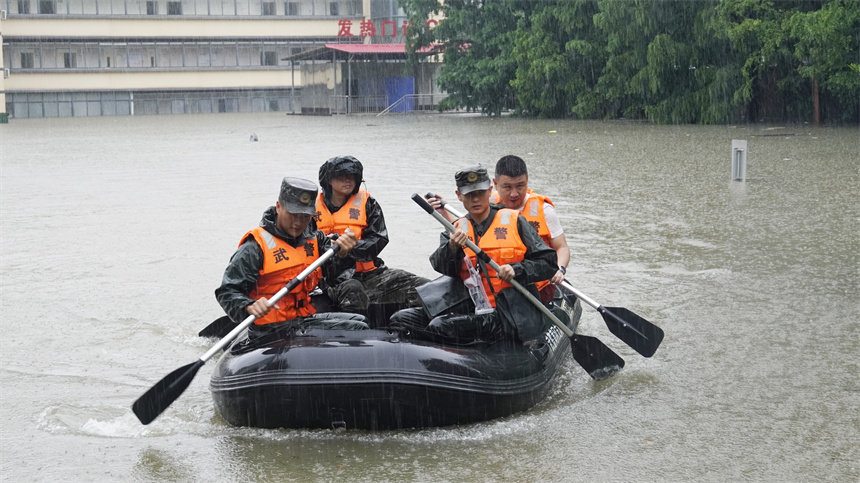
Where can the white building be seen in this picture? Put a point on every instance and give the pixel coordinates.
(132, 57)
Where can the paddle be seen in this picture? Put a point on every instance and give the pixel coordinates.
(154, 401)
(218, 328)
(641, 335)
(598, 360)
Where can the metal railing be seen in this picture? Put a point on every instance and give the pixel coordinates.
(414, 97)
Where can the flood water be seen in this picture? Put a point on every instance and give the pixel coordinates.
(115, 232)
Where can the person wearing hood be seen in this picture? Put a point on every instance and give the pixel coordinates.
(360, 281)
(275, 252)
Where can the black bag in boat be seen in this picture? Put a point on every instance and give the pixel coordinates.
(445, 294)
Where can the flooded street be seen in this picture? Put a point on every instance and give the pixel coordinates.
(115, 231)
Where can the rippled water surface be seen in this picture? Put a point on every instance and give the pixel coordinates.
(115, 231)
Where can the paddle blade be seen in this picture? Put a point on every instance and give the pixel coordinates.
(641, 335)
(599, 361)
(219, 328)
(163, 393)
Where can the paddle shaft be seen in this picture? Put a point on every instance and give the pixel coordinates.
(492, 263)
(581, 296)
(270, 303)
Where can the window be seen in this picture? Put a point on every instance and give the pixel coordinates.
(291, 8)
(70, 60)
(47, 6)
(334, 9)
(268, 8)
(269, 58)
(23, 6)
(108, 62)
(27, 60)
(174, 8)
(151, 7)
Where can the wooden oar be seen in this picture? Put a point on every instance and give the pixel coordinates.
(154, 401)
(598, 360)
(641, 335)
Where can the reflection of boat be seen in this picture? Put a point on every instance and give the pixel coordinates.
(374, 379)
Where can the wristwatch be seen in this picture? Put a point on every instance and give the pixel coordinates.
(563, 270)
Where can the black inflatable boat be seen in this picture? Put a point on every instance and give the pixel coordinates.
(376, 380)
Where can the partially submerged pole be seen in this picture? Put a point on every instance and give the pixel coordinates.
(739, 159)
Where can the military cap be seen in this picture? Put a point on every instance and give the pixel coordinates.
(473, 178)
(298, 196)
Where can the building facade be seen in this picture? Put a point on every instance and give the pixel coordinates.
(69, 58)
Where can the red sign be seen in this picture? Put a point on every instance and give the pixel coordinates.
(388, 28)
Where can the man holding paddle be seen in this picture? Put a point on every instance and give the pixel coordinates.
(274, 253)
(511, 179)
(508, 239)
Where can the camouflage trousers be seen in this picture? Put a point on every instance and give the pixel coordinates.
(378, 294)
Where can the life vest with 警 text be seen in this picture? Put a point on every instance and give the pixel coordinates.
(352, 215)
(501, 242)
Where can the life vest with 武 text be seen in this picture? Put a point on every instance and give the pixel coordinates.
(501, 242)
(282, 263)
(352, 215)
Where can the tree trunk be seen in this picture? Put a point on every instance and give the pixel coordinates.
(816, 108)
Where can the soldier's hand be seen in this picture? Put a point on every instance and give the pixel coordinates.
(346, 242)
(506, 273)
(457, 240)
(259, 308)
(438, 204)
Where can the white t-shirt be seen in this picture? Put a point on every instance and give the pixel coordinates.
(552, 221)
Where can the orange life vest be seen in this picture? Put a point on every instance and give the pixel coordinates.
(352, 215)
(532, 211)
(281, 263)
(502, 243)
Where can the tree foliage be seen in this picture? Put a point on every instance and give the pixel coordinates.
(668, 61)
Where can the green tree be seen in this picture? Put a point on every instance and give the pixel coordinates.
(668, 61)
(478, 42)
(556, 57)
(825, 44)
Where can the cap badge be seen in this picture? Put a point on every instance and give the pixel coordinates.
(305, 198)
(472, 177)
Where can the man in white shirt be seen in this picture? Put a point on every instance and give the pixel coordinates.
(512, 188)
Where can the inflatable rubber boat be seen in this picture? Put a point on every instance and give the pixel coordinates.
(379, 379)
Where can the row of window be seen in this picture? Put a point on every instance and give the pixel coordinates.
(88, 104)
(185, 7)
(122, 55)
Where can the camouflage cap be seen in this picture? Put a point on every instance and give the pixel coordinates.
(473, 178)
(298, 196)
